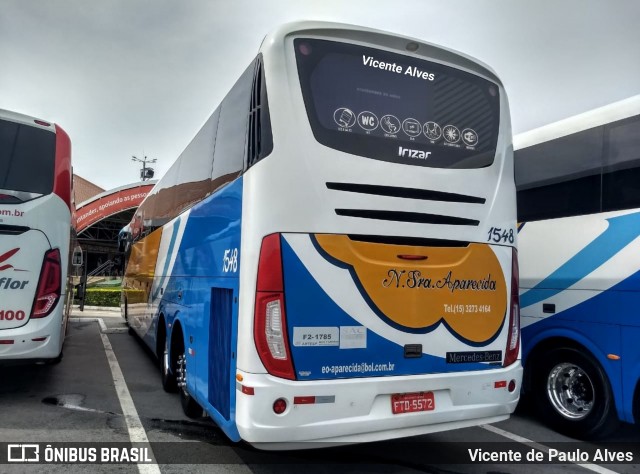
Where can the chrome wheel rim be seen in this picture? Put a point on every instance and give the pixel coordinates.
(570, 391)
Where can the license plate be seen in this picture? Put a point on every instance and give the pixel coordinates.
(412, 402)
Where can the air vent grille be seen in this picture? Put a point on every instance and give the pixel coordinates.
(401, 216)
(259, 139)
(409, 193)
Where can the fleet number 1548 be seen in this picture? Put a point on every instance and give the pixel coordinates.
(499, 235)
(230, 260)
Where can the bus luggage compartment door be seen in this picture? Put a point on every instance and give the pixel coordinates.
(358, 308)
(220, 327)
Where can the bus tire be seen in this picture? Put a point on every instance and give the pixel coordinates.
(55, 360)
(125, 306)
(167, 370)
(572, 395)
(190, 406)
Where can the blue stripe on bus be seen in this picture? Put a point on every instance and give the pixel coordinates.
(165, 270)
(621, 232)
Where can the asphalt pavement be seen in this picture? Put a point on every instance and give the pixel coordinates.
(106, 391)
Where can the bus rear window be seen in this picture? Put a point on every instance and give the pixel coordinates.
(396, 108)
(27, 158)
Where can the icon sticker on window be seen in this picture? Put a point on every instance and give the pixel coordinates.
(432, 130)
(368, 120)
(451, 134)
(411, 127)
(469, 137)
(390, 124)
(344, 117)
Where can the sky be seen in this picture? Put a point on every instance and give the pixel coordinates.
(140, 77)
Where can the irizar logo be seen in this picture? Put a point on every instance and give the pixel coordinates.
(409, 153)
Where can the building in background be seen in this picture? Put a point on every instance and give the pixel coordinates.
(100, 215)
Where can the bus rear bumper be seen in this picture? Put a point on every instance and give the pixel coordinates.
(39, 339)
(359, 410)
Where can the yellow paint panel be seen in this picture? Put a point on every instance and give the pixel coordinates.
(465, 287)
(142, 263)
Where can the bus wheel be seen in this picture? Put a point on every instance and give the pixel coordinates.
(189, 406)
(126, 318)
(55, 360)
(168, 376)
(572, 394)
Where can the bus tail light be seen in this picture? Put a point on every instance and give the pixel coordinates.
(49, 285)
(274, 329)
(513, 339)
(270, 323)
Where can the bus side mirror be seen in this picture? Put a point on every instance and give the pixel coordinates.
(76, 259)
(124, 242)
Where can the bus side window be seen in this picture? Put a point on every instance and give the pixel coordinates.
(231, 136)
(621, 177)
(561, 177)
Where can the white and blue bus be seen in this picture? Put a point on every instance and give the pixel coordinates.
(579, 246)
(332, 258)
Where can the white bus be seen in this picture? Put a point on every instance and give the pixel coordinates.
(579, 204)
(36, 209)
(332, 258)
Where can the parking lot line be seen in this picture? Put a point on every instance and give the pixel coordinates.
(542, 447)
(137, 433)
